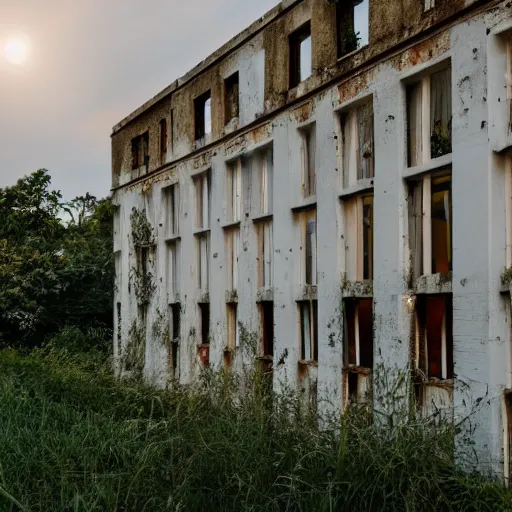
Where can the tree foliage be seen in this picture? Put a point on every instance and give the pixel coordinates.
(56, 262)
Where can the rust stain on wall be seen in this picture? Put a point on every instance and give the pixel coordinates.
(304, 112)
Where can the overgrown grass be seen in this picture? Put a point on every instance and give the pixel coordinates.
(73, 438)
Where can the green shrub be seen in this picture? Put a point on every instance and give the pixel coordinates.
(73, 438)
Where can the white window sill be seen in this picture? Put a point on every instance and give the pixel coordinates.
(264, 217)
(231, 225)
(201, 231)
(434, 284)
(364, 185)
(307, 204)
(431, 165)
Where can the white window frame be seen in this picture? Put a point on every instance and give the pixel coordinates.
(429, 4)
(233, 255)
(423, 109)
(202, 184)
(353, 209)
(234, 190)
(265, 254)
(203, 261)
(309, 329)
(305, 219)
(508, 211)
(173, 269)
(352, 173)
(308, 164)
(172, 206)
(266, 180)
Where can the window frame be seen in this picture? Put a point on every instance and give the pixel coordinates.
(308, 160)
(232, 245)
(140, 151)
(173, 268)
(163, 140)
(308, 309)
(295, 40)
(172, 208)
(203, 195)
(231, 94)
(234, 190)
(200, 117)
(265, 235)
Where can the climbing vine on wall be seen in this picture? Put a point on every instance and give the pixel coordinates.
(143, 234)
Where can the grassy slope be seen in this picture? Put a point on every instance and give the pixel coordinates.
(72, 438)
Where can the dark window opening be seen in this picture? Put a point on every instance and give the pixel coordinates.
(231, 98)
(300, 55)
(203, 115)
(359, 332)
(441, 214)
(311, 252)
(267, 327)
(353, 387)
(163, 139)
(140, 150)
(204, 309)
(176, 321)
(232, 325)
(368, 237)
(352, 24)
(308, 311)
(435, 320)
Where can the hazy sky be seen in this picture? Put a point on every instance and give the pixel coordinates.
(92, 62)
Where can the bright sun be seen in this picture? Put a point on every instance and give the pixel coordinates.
(16, 50)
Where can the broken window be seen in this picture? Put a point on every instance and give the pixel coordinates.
(352, 23)
(300, 55)
(266, 179)
(232, 252)
(429, 117)
(163, 140)
(358, 347)
(234, 191)
(308, 313)
(434, 341)
(232, 326)
(203, 261)
(309, 248)
(203, 116)
(175, 327)
(359, 237)
(204, 311)
(231, 98)
(308, 153)
(140, 151)
(430, 224)
(203, 195)
(357, 144)
(265, 250)
(267, 327)
(172, 205)
(173, 268)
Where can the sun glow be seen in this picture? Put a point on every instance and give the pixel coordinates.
(16, 50)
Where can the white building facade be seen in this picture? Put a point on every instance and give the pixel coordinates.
(327, 197)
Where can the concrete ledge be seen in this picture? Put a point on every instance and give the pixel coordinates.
(434, 284)
(307, 292)
(357, 289)
(265, 295)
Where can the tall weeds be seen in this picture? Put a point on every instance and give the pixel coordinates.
(73, 438)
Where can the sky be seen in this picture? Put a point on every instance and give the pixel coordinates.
(89, 64)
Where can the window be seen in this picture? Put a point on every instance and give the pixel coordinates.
(231, 98)
(308, 150)
(175, 327)
(359, 237)
(267, 327)
(309, 265)
(300, 55)
(434, 338)
(203, 116)
(308, 313)
(357, 144)
(163, 140)
(352, 22)
(203, 195)
(140, 151)
(173, 268)
(173, 131)
(234, 191)
(429, 117)
(204, 312)
(430, 224)
(232, 326)
(358, 349)
(429, 4)
(203, 261)
(232, 251)
(172, 206)
(266, 180)
(265, 250)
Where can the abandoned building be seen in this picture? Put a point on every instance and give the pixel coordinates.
(327, 195)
